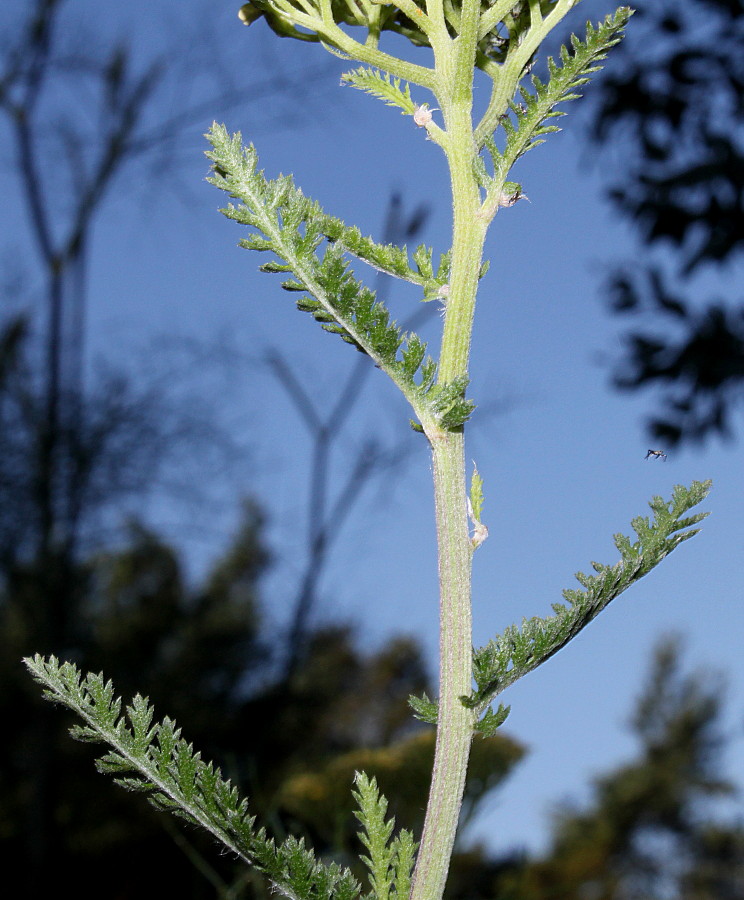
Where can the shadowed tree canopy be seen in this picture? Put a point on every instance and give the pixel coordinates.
(671, 103)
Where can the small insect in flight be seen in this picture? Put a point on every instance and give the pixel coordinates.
(656, 454)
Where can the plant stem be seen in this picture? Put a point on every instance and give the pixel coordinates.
(455, 721)
(469, 233)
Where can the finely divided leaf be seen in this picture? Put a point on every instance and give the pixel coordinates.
(492, 720)
(380, 85)
(424, 709)
(294, 228)
(538, 107)
(519, 650)
(153, 758)
(389, 862)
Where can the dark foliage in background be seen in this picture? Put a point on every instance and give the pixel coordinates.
(671, 106)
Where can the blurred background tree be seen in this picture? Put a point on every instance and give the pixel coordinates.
(667, 114)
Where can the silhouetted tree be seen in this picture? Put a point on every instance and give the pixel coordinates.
(671, 104)
(50, 509)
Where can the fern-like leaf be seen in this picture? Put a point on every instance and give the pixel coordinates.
(520, 650)
(382, 86)
(538, 107)
(153, 758)
(424, 709)
(428, 711)
(389, 862)
(404, 857)
(293, 228)
(387, 258)
(492, 720)
(449, 405)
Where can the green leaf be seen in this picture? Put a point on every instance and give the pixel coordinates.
(476, 495)
(519, 650)
(375, 835)
(153, 758)
(538, 107)
(448, 404)
(424, 709)
(294, 228)
(475, 509)
(390, 863)
(404, 857)
(492, 721)
(380, 85)
(385, 258)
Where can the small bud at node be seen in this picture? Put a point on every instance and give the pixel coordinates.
(422, 115)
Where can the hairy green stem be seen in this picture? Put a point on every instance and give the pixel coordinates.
(455, 725)
(455, 721)
(469, 233)
(453, 35)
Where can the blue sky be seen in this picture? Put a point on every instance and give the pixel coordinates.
(561, 453)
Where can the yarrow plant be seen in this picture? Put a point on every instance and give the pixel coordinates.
(492, 39)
